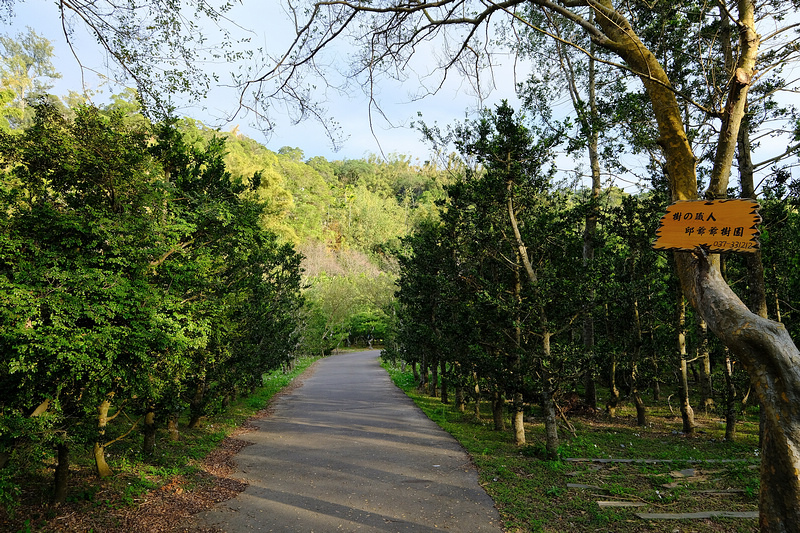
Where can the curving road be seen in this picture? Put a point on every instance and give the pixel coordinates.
(348, 451)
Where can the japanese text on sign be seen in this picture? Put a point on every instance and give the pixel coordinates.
(716, 226)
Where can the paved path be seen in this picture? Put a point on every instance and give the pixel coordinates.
(348, 451)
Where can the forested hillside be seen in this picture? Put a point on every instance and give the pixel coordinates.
(346, 218)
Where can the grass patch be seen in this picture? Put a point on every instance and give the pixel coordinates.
(533, 495)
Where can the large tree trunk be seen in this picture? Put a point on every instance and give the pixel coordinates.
(423, 375)
(773, 362)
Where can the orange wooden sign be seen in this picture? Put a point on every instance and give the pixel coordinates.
(716, 226)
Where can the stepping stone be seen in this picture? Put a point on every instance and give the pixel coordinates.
(697, 516)
(581, 486)
(603, 504)
(658, 461)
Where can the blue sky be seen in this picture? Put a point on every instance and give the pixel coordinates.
(352, 112)
(273, 33)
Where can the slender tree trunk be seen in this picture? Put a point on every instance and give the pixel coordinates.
(730, 399)
(498, 408)
(172, 427)
(445, 384)
(757, 293)
(518, 419)
(656, 378)
(590, 229)
(99, 449)
(518, 414)
(704, 359)
(434, 388)
(196, 410)
(641, 410)
(550, 423)
(461, 403)
(548, 404)
(149, 444)
(551, 428)
(777, 299)
(687, 413)
(61, 477)
(477, 390)
(613, 390)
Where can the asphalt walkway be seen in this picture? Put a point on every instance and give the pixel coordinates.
(349, 451)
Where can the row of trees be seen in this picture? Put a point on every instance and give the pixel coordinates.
(135, 280)
(151, 271)
(493, 296)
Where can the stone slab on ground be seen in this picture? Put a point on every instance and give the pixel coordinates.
(582, 486)
(603, 460)
(603, 504)
(698, 516)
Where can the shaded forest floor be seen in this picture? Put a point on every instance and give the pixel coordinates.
(156, 494)
(654, 469)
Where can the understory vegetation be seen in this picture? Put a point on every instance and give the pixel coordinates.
(668, 471)
(147, 492)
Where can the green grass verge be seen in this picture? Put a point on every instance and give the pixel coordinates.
(533, 495)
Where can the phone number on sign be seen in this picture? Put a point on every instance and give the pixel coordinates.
(733, 244)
